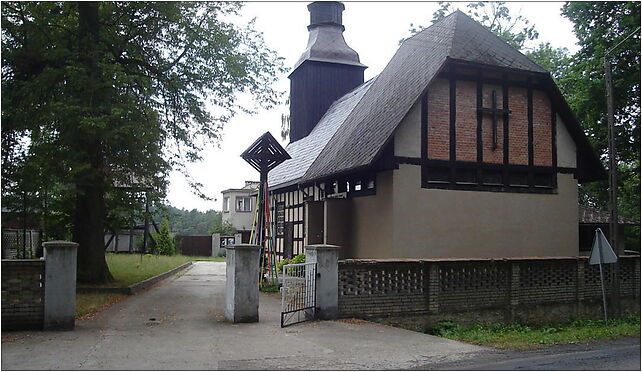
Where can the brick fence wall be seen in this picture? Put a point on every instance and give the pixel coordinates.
(23, 294)
(511, 289)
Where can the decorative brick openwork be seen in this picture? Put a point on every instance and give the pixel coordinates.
(395, 287)
(542, 282)
(23, 294)
(374, 288)
(468, 284)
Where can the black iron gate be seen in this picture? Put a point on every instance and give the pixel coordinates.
(298, 293)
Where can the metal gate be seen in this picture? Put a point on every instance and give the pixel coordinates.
(298, 293)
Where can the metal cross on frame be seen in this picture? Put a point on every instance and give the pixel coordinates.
(494, 111)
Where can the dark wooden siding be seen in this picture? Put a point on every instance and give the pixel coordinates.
(313, 88)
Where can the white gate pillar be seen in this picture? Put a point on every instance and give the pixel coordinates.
(216, 244)
(326, 258)
(242, 283)
(60, 285)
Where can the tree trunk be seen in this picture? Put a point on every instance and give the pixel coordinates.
(89, 217)
(89, 233)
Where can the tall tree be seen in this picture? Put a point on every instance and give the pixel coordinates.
(600, 26)
(115, 93)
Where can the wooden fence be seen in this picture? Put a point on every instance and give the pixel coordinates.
(194, 245)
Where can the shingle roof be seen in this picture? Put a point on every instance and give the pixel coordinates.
(306, 150)
(588, 215)
(367, 128)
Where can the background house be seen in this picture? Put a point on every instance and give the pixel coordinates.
(238, 208)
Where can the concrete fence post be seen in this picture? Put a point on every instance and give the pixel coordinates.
(60, 285)
(216, 244)
(327, 260)
(242, 283)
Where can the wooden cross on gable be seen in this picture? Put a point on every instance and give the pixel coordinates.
(494, 111)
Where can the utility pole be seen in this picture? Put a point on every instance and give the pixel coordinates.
(613, 224)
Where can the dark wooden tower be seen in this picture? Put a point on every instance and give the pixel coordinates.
(327, 70)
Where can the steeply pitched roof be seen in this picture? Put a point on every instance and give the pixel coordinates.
(306, 150)
(419, 59)
(368, 127)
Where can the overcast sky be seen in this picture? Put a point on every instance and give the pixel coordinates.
(372, 29)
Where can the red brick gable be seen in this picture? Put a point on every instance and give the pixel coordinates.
(438, 113)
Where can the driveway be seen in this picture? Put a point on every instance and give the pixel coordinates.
(180, 325)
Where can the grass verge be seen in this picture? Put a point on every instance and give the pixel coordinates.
(523, 337)
(89, 303)
(128, 269)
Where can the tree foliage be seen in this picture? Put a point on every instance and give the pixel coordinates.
(191, 222)
(118, 93)
(599, 27)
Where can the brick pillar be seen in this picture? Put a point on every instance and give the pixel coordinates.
(242, 283)
(433, 288)
(60, 285)
(513, 290)
(579, 288)
(327, 259)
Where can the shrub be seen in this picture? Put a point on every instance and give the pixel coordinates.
(164, 242)
(286, 261)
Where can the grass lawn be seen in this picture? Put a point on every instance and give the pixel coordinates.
(128, 269)
(523, 337)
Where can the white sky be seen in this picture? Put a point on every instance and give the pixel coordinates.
(373, 29)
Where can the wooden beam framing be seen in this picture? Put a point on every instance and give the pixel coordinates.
(453, 130)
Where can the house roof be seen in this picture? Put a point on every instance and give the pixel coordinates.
(367, 128)
(306, 150)
(588, 215)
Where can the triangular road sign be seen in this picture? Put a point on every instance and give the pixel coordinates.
(601, 253)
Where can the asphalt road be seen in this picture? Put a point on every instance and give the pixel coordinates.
(620, 355)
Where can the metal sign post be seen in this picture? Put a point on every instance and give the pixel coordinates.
(602, 253)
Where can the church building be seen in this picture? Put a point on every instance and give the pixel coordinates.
(460, 147)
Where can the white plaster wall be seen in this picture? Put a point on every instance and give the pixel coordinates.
(566, 149)
(408, 134)
(240, 220)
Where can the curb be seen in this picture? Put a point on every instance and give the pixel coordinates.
(136, 287)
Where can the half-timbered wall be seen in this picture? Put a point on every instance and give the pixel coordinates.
(288, 217)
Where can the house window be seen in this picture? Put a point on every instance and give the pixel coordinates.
(226, 204)
(243, 204)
